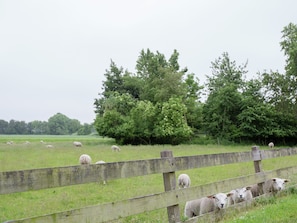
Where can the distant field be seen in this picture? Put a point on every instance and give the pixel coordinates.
(35, 155)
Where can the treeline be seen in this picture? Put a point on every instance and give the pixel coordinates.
(58, 124)
(161, 102)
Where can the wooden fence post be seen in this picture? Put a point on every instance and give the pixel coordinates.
(257, 157)
(169, 180)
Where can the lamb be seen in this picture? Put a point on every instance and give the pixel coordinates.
(85, 159)
(241, 194)
(115, 148)
(206, 204)
(77, 144)
(184, 180)
(271, 145)
(274, 185)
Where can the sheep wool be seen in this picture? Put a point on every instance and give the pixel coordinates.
(85, 159)
(184, 181)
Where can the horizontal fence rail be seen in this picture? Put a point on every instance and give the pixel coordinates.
(125, 208)
(35, 179)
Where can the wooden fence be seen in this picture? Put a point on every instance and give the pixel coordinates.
(35, 179)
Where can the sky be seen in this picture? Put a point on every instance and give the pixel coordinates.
(54, 53)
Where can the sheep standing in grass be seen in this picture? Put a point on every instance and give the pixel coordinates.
(85, 159)
(274, 185)
(77, 144)
(240, 195)
(256, 190)
(101, 162)
(115, 148)
(206, 204)
(192, 208)
(271, 145)
(183, 180)
(214, 202)
(49, 146)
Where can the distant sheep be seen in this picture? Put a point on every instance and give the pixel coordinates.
(77, 144)
(206, 204)
(85, 159)
(115, 148)
(101, 162)
(184, 181)
(9, 143)
(49, 146)
(26, 142)
(241, 194)
(41, 141)
(274, 185)
(271, 145)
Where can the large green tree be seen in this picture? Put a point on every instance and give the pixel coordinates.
(156, 83)
(223, 104)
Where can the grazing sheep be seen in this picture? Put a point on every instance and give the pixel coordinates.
(192, 208)
(256, 190)
(41, 141)
(77, 144)
(49, 146)
(101, 162)
(240, 195)
(115, 148)
(26, 142)
(271, 145)
(274, 185)
(206, 204)
(183, 180)
(214, 202)
(9, 143)
(85, 159)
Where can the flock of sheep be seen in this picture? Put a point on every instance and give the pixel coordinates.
(222, 200)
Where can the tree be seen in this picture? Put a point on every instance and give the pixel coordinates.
(58, 124)
(223, 103)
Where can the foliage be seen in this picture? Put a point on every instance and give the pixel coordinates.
(58, 124)
(150, 106)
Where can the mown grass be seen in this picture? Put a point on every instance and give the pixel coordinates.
(35, 155)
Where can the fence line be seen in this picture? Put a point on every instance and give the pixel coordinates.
(170, 199)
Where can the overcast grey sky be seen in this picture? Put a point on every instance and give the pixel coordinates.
(54, 53)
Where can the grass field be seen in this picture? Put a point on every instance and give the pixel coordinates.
(21, 156)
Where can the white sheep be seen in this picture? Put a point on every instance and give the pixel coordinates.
(214, 202)
(206, 204)
(85, 159)
(274, 185)
(115, 148)
(183, 180)
(9, 143)
(271, 145)
(192, 208)
(77, 144)
(256, 190)
(241, 194)
(49, 146)
(26, 142)
(101, 162)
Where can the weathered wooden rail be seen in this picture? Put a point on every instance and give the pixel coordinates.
(36, 179)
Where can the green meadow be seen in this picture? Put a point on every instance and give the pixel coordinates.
(20, 156)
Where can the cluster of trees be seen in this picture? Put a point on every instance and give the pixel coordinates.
(58, 124)
(161, 102)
